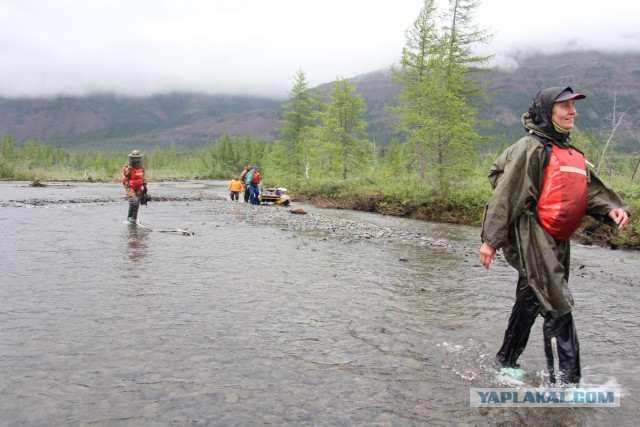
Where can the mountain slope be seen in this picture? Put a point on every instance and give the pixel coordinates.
(608, 80)
(114, 122)
(195, 119)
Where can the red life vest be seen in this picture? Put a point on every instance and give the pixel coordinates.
(135, 176)
(563, 199)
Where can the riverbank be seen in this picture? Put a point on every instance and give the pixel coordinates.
(328, 226)
(461, 210)
(591, 232)
(198, 191)
(462, 204)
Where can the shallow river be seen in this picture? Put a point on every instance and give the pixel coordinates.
(259, 320)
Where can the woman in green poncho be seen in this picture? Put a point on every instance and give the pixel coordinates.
(541, 190)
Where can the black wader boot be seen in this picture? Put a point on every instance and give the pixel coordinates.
(561, 347)
(134, 205)
(523, 315)
(130, 214)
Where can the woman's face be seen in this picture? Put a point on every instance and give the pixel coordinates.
(564, 113)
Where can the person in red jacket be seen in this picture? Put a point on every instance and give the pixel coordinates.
(135, 184)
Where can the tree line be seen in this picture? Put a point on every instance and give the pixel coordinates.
(323, 135)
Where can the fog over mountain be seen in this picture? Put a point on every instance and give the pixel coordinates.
(255, 47)
(195, 119)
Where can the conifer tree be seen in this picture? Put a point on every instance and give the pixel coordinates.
(437, 109)
(8, 148)
(394, 160)
(298, 124)
(342, 127)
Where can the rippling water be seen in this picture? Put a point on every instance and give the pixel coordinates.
(256, 322)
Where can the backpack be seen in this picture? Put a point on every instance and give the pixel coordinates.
(255, 179)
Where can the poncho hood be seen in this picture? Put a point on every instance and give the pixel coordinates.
(538, 118)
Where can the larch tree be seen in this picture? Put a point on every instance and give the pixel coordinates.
(299, 120)
(413, 75)
(8, 148)
(343, 128)
(437, 107)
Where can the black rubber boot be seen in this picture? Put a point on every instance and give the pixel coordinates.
(561, 345)
(523, 315)
(130, 214)
(136, 206)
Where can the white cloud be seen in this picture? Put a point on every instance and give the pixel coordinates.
(141, 47)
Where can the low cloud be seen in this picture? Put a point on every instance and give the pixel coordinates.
(255, 47)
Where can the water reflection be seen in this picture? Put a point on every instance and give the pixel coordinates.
(137, 247)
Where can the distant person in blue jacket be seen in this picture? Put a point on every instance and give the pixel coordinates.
(253, 183)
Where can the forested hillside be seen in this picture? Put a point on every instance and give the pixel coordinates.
(611, 82)
(112, 122)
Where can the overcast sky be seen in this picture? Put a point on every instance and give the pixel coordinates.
(143, 47)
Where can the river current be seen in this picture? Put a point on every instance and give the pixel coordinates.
(257, 320)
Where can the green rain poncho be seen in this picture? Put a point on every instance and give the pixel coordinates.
(517, 177)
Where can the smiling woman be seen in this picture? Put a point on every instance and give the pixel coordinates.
(564, 112)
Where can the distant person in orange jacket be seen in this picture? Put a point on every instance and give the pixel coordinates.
(235, 187)
(135, 184)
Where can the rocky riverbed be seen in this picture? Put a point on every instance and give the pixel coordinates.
(325, 226)
(333, 228)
